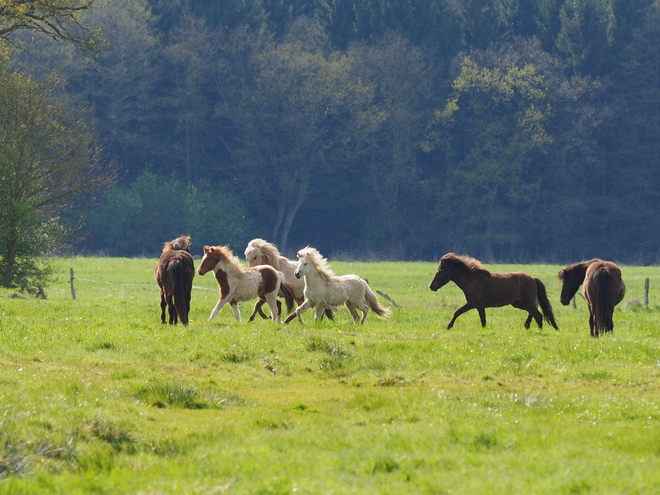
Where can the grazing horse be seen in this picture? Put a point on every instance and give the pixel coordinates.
(241, 284)
(174, 273)
(484, 289)
(603, 288)
(325, 290)
(261, 252)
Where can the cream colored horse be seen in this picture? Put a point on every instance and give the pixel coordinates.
(324, 289)
(238, 284)
(261, 252)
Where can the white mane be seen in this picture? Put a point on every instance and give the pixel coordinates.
(319, 262)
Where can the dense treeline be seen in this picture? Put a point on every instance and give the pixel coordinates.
(512, 130)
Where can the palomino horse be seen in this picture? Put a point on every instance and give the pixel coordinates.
(261, 252)
(174, 273)
(484, 289)
(324, 289)
(603, 288)
(241, 284)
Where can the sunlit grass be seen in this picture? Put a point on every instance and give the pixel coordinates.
(96, 396)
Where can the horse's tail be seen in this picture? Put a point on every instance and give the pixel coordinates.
(372, 301)
(601, 301)
(179, 289)
(546, 308)
(289, 297)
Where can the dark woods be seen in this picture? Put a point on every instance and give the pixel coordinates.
(516, 131)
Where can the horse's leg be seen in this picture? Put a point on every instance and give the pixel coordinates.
(221, 303)
(592, 327)
(482, 316)
(351, 309)
(299, 310)
(271, 298)
(459, 312)
(257, 309)
(237, 313)
(533, 311)
(171, 309)
(163, 305)
(320, 308)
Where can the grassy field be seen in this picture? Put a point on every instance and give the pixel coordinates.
(96, 396)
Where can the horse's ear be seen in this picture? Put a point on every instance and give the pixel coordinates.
(207, 249)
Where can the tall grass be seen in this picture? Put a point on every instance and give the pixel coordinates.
(96, 396)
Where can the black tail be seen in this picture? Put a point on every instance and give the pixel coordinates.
(178, 277)
(287, 292)
(601, 303)
(546, 308)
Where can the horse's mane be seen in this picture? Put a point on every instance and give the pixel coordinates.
(179, 244)
(224, 254)
(269, 251)
(319, 262)
(582, 265)
(465, 263)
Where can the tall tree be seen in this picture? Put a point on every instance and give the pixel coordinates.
(284, 121)
(48, 163)
(58, 19)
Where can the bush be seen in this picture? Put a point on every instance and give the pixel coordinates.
(136, 219)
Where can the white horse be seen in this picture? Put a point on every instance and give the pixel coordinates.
(324, 289)
(241, 284)
(261, 252)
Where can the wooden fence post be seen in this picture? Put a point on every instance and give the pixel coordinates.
(646, 291)
(73, 289)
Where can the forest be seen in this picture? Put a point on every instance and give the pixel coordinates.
(510, 130)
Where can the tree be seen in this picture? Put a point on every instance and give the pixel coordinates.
(48, 164)
(284, 117)
(491, 133)
(58, 19)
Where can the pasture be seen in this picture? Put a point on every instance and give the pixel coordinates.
(96, 396)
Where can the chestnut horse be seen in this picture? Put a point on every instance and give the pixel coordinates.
(325, 290)
(603, 288)
(484, 289)
(174, 273)
(237, 283)
(261, 252)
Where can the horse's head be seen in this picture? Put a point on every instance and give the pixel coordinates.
(303, 267)
(442, 276)
(212, 256)
(572, 277)
(253, 255)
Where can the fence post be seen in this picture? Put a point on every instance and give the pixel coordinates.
(73, 289)
(646, 291)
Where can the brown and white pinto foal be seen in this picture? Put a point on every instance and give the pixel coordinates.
(237, 284)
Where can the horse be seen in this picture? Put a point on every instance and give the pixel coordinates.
(174, 273)
(261, 252)
(484, 289)
(324, 289)
(603, 288)
(237, 283)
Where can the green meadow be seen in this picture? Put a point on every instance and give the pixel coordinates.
(96, 396)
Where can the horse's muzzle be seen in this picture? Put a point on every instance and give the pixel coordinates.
(297, 274)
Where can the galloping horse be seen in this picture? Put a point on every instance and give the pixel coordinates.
(325, 290)
(174, 273)
(241, 284)
(603, 288)
(261, 252)
(484, 289)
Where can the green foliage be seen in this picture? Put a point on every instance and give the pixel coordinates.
(137, 218)
(98, 396)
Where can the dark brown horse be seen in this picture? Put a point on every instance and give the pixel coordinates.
(603, 288)
(174, 273)
(484, 289)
